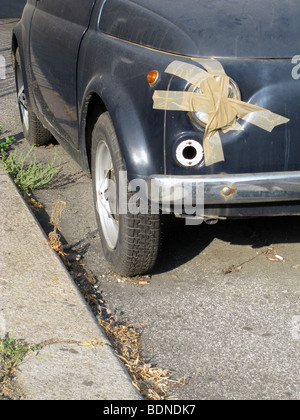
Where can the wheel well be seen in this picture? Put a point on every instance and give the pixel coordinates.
(14, 47)
(95, 107)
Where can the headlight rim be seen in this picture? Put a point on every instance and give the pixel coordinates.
(236, 94)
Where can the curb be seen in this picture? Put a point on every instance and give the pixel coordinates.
(40, 303)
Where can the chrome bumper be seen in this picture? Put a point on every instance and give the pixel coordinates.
(227, 189)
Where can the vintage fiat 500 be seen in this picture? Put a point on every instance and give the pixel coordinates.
(184, 106)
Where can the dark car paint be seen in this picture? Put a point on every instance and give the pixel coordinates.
(54, 63)
(11, 9)
(265, 83)
(116, 70)
(214, 28)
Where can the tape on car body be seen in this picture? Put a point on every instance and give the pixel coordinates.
(213, 100)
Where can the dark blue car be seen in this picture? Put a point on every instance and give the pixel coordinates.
(189, 107)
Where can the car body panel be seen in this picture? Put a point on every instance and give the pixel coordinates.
(139, 128)
(216, 28)
(54, 63)
(264, 83)
(107, 47)
(21, 39)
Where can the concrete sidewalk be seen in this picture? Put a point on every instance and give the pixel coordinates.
(40, 303)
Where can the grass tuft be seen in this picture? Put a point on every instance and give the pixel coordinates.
(12, 352)
(27, 174)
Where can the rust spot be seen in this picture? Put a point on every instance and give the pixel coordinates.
(228, 192)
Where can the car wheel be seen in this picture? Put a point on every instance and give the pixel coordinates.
(34, 132)
(130, 242)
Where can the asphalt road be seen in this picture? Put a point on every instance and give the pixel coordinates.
(233, 333)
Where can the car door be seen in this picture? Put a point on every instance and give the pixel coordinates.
(56, 33)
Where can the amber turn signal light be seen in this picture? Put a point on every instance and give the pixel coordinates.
(153, 77)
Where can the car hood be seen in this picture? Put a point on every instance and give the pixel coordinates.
(218, 28)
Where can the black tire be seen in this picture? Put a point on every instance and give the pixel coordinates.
(138, 239)
(34, 132)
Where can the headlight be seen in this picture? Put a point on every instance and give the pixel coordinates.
(201, 118)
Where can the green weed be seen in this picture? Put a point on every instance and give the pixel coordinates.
(12, 352)
(26, 172)
(5, 145)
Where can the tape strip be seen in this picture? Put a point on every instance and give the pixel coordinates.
(180, 101)
(211, 65)
(213, 84)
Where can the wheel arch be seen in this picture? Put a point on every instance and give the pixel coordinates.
(93, 107)
(14, 47)
(18, 44)
(137, 132)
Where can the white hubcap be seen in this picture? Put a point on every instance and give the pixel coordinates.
(22, 98)
(106, 191)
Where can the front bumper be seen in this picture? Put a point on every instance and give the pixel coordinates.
(220, 190)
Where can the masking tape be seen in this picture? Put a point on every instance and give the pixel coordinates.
(213, 83)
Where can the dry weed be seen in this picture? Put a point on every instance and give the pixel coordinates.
(34, 204)
(269, 252)
(54, 237)
(152, 382)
